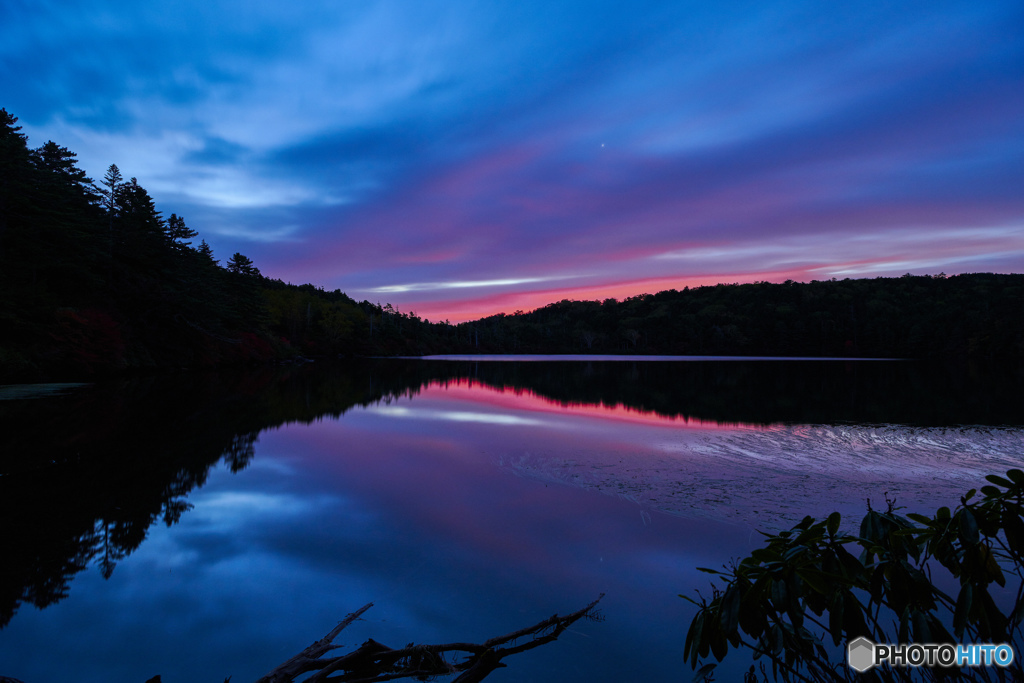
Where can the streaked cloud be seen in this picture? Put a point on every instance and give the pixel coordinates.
(856, 253)
(452, 157)
(471, 284)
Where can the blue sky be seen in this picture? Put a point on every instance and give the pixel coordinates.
(463, 158)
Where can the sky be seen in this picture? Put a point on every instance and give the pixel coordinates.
(459, 159)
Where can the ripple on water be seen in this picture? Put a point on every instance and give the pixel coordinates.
(771, 478)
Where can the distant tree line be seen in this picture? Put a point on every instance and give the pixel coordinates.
(93, 279)
(978, 316)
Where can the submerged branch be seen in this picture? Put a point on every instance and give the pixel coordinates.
(373, 662)
(307, 660)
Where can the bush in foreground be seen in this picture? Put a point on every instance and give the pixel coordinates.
(811, 589)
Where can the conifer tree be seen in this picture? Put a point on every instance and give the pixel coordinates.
(241, 264)
(179, 233)
(15, 170)
(67, 224)
(62, 164)
(206, 252)
(112, 181)
(138, 226)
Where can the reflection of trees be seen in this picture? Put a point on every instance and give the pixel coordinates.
(766, 392)
(84, 476)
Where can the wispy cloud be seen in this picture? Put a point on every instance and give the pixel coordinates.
(466, 152)
(471, 284)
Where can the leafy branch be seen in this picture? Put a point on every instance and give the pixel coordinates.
(811, 584)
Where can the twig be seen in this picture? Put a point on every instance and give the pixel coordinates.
(373, 662)
(307, 659)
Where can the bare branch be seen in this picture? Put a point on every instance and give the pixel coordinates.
(307, 659)
(373, 662)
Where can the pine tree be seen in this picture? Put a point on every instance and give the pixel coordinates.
(178, 232)
(62, 164)
(68, 225)
(138, 225)
(206, 252)
(241, 264)
(17, 178)
(15, 170)
(112, 180)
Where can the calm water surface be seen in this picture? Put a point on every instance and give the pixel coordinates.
(203, 526)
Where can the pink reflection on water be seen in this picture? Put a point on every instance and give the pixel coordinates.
(435, 485)
(764, 476)
(518, 399)
(438, 519)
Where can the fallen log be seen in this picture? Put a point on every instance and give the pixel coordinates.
(373, 662)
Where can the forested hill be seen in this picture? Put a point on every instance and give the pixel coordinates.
(978, 316)
(94, 280)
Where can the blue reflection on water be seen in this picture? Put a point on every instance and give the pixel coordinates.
(417, 507)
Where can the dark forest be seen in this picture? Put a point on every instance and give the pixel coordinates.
(94, 280)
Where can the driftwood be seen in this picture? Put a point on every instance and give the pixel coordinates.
(372, 662)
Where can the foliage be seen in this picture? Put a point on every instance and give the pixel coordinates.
(811, 589)
(94, 281)
(241, 264)
(974, 316)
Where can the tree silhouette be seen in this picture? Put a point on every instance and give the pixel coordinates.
(813, 584)
(206, 252)
(138, 215)
(112, 180)
(179, 233)
(242, 265)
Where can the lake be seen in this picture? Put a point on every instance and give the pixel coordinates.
(205, 525)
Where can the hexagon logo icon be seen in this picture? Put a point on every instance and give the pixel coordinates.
(860, 654)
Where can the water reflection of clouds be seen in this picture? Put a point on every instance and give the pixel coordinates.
(415, 505)
(473, 504)
(413, 514)
(236, 511)
(767, 476)
(232, 504)
(525, 400)
(454, 539)
(457, 416)
(281, 465)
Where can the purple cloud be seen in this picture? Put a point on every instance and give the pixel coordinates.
(475, 159)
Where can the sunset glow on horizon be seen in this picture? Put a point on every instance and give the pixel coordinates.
(459, 160)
